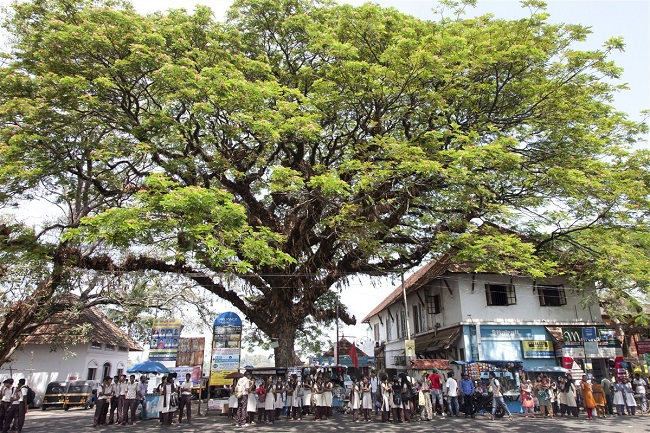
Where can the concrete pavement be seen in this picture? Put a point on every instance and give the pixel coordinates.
(78, 421)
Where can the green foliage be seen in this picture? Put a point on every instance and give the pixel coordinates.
(302, 141)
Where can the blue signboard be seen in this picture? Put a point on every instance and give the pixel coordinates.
(589, 334)
(227, 319)
(364, 361)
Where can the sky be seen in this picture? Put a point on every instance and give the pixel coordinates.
(606, 18)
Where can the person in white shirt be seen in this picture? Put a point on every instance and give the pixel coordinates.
(121, 397)
(186, 399)
(114, 400)
(451, 387)
(5, 402)
(130, 389)
(142, 397)
(241, 392)
(374, 385)
(497, 397)
(101, 405)
(640, 388)
(16, 397)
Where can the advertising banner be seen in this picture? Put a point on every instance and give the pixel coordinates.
(190, 351)
(643, 346)
(165, 336)
(538, 349)
(226, 348)
(194, 371)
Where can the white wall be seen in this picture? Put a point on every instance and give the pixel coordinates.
(39, 365)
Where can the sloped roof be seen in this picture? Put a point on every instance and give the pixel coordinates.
(344, 349)
(61, 326)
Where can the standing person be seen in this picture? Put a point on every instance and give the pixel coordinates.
(327, 396)
(306, 395)
(451, 386)
(497, 397)
(121, 397)
(261, 402)
(619, 396)
(114, 400)
(607, 387)
(279, 390)
(166, 404)
(553, 391)
(288, 389)
(317, 391)
(407, 396)
(251, 401)
(142, 397)
(374, 391)
(355, 399)
(396, 405)
(640, 389)
(130, 400)
(386, 399)
(366, 399)
(467, 391)
(21, 410)
(186, 399)
(587, 397)
(296, 401)
(630, 401)
(526, 389)
(544, 397)
(425, 399)
(101, 405)
(5, 401)
(269, 400)
(599, 398)
(241, 392)
(436, 392)
(570, 394)
(14, 403)
(562, 395)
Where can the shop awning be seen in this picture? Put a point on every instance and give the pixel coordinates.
(434, 342)
(429, 364)
(556, 333)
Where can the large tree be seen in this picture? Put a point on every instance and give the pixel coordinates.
(269, 157)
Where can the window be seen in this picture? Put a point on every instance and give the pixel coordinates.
(461, 354)
(551, 296)
(388, 328)
(106, 371)
(401, 324)
(376, 332)
(95, 345)
(416, 319)
(92, 372)
(122, 349)
(120, 371)
(433, 304)
(110, 347)
(500, 294)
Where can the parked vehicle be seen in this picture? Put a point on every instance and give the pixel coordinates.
(55, 395)
(80, 393)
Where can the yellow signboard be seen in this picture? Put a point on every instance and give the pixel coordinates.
(538, 349)
(409, 347)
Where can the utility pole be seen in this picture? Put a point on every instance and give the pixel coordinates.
(406, 310)
(336, 346)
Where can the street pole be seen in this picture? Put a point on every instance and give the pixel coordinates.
(406, 309)
(336, 346)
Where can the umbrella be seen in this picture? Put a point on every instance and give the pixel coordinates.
(148, 367)
(234, 375)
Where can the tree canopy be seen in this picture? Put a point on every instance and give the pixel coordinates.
(300, 142)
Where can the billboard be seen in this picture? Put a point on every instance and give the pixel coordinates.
(194, 371)
(190, 351)
(226, 348)
(165, 337)
(538, 349)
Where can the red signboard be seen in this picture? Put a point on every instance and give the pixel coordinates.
(643, 346)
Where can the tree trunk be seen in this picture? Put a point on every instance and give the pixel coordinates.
(284, 352)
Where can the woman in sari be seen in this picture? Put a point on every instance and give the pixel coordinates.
(587, 397)
(599, 398)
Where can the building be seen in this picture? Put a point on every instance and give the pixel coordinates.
(458, 314)
(86, 347)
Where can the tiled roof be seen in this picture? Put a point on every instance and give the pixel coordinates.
(344, 349)
(61, 327)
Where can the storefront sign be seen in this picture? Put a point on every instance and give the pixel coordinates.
(364, 361)
(409, 347)
(165, 336)
(537, 349)
(607, 337)
(500, 333)
(589, 334)
(591, 349)
(643, 346)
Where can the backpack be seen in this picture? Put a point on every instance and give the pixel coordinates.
(397, 400)
(408, 393)
(31, 395)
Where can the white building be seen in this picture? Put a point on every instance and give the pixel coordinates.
(455, 313)
(56, 352)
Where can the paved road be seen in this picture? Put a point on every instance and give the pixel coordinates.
(78, 421)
